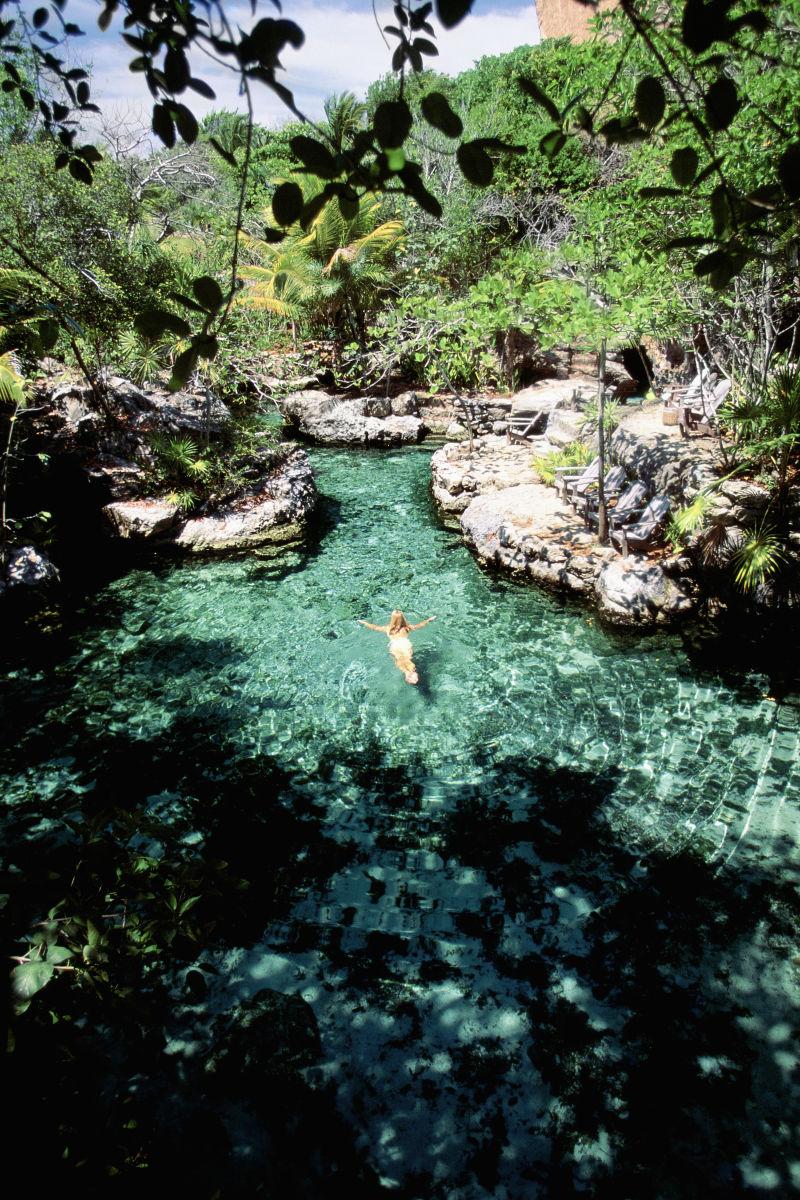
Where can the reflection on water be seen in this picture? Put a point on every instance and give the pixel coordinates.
(558, 887)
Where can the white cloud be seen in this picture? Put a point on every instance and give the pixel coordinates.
(344, 50)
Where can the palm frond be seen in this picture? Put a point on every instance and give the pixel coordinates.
(758, 557)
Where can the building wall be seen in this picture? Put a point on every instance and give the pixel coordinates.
(568, 18)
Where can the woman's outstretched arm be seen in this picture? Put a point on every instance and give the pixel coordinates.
(379, 628)
(419, 625)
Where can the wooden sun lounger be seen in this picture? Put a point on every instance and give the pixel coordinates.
(646, 530)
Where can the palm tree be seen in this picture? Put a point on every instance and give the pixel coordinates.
(333, 273)
(345, 115)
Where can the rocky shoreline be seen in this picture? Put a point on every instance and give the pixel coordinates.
(108, 463)
(515, 524)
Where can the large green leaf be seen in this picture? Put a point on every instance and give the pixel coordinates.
(30, 977)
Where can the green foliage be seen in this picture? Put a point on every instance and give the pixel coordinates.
(612, 415)
(576, 454)
(758, 558)
(332, 273)
(769, 422)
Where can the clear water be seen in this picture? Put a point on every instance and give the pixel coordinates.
(552, 935)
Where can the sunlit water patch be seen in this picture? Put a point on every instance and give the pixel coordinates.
(549, 890)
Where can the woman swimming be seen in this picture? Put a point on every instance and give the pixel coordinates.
(400, 647)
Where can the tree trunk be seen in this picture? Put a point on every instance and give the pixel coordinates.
(602, 516)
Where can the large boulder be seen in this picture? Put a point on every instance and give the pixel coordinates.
(158, 411)
(29, 567)
(670, 465)
(405, 405)
(141, 520)
(637, 591)
(307, 405)
(565, 427)
(273, 511)
(337, 422)
(118, 478)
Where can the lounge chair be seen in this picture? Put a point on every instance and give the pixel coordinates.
(699, 414)
(614, 483)
(646, 531)
(567, 478)
(632, 503)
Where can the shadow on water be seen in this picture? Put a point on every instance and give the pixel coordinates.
(640, 1078)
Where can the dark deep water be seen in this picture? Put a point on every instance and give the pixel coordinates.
(543, 908)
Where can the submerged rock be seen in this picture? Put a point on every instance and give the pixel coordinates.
(269, 1035)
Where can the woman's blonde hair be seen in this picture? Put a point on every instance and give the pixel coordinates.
(397, 621)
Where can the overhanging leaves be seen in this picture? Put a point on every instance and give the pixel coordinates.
(207, 292)
(650, 101)
(683, 165)
(287, 203)
(154, 321)
(451, 12)
(721, 103)
(392, 123)
(316, 157)
(475, 163)
(535, 92)
(437, 112)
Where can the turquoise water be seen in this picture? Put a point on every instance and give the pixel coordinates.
(547, 889)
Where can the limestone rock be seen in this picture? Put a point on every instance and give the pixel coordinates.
(118, 478)
(405, 405)
(669, 465)
(565, 427)
(636, 591)
(458, 475)
(141, 520)
(273, 512)
(29, 567)
(155, 410)
(378, 406)
(526, 531)
(308, 405)
(745, 494)
(335, 422)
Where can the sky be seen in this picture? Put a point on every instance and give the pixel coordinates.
(343, 51)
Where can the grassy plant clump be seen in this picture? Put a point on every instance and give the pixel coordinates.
(189, 472)
(576, 454)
